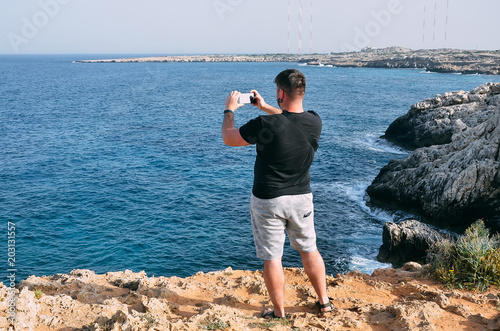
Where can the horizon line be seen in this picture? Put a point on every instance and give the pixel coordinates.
(250, 53)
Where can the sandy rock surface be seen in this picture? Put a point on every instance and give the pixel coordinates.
(389, 299)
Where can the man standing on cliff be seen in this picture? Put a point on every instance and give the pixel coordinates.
(286, 140)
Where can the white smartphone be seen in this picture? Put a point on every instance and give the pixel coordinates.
(246, 98)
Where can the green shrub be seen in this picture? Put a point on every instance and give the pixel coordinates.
(38, 293)
(149, 319)
(470, 262)
(271, 323)
(215, 325)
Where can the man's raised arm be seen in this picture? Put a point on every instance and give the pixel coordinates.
(231, 135)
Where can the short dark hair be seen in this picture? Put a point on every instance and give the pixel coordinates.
(292, 81)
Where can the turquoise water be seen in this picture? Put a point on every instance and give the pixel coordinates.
(122, 166)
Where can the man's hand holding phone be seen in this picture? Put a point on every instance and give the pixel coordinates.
(247, 98)
(263, 105)
(237, 99)
(232, 101)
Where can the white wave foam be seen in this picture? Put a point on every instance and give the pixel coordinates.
(369, 220)
(378, 144)
(356, 193)
(366, 265)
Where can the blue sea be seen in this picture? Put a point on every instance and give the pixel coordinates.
(122, 166)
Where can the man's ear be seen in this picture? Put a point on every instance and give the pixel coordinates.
(281, 93)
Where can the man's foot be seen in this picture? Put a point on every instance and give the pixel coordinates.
(269, 314)
(327, 307)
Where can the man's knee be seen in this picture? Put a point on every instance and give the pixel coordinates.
(273, 263)
(308, 255)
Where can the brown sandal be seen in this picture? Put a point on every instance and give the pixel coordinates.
(270, 315)
(329, 304)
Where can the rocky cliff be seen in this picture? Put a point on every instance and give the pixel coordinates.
(389, 299)
(453, 177)
(436, 60)
(409, 240)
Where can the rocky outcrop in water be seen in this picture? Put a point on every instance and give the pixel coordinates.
(407, 241)
(435, 120)
(455, 180)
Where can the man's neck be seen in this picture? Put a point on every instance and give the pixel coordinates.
(295, 107)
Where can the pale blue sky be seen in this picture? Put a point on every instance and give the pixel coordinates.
(242, 26)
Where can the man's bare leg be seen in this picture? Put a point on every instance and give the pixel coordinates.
(275, 283)
(314, 266)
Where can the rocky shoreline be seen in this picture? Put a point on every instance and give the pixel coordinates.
(433, 60)
(389, 299)
(452, 178)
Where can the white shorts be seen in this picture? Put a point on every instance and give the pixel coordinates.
(270, 219)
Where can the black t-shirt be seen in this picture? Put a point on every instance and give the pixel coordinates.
(284, 155)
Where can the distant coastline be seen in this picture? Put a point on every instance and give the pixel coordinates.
(432, 60)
